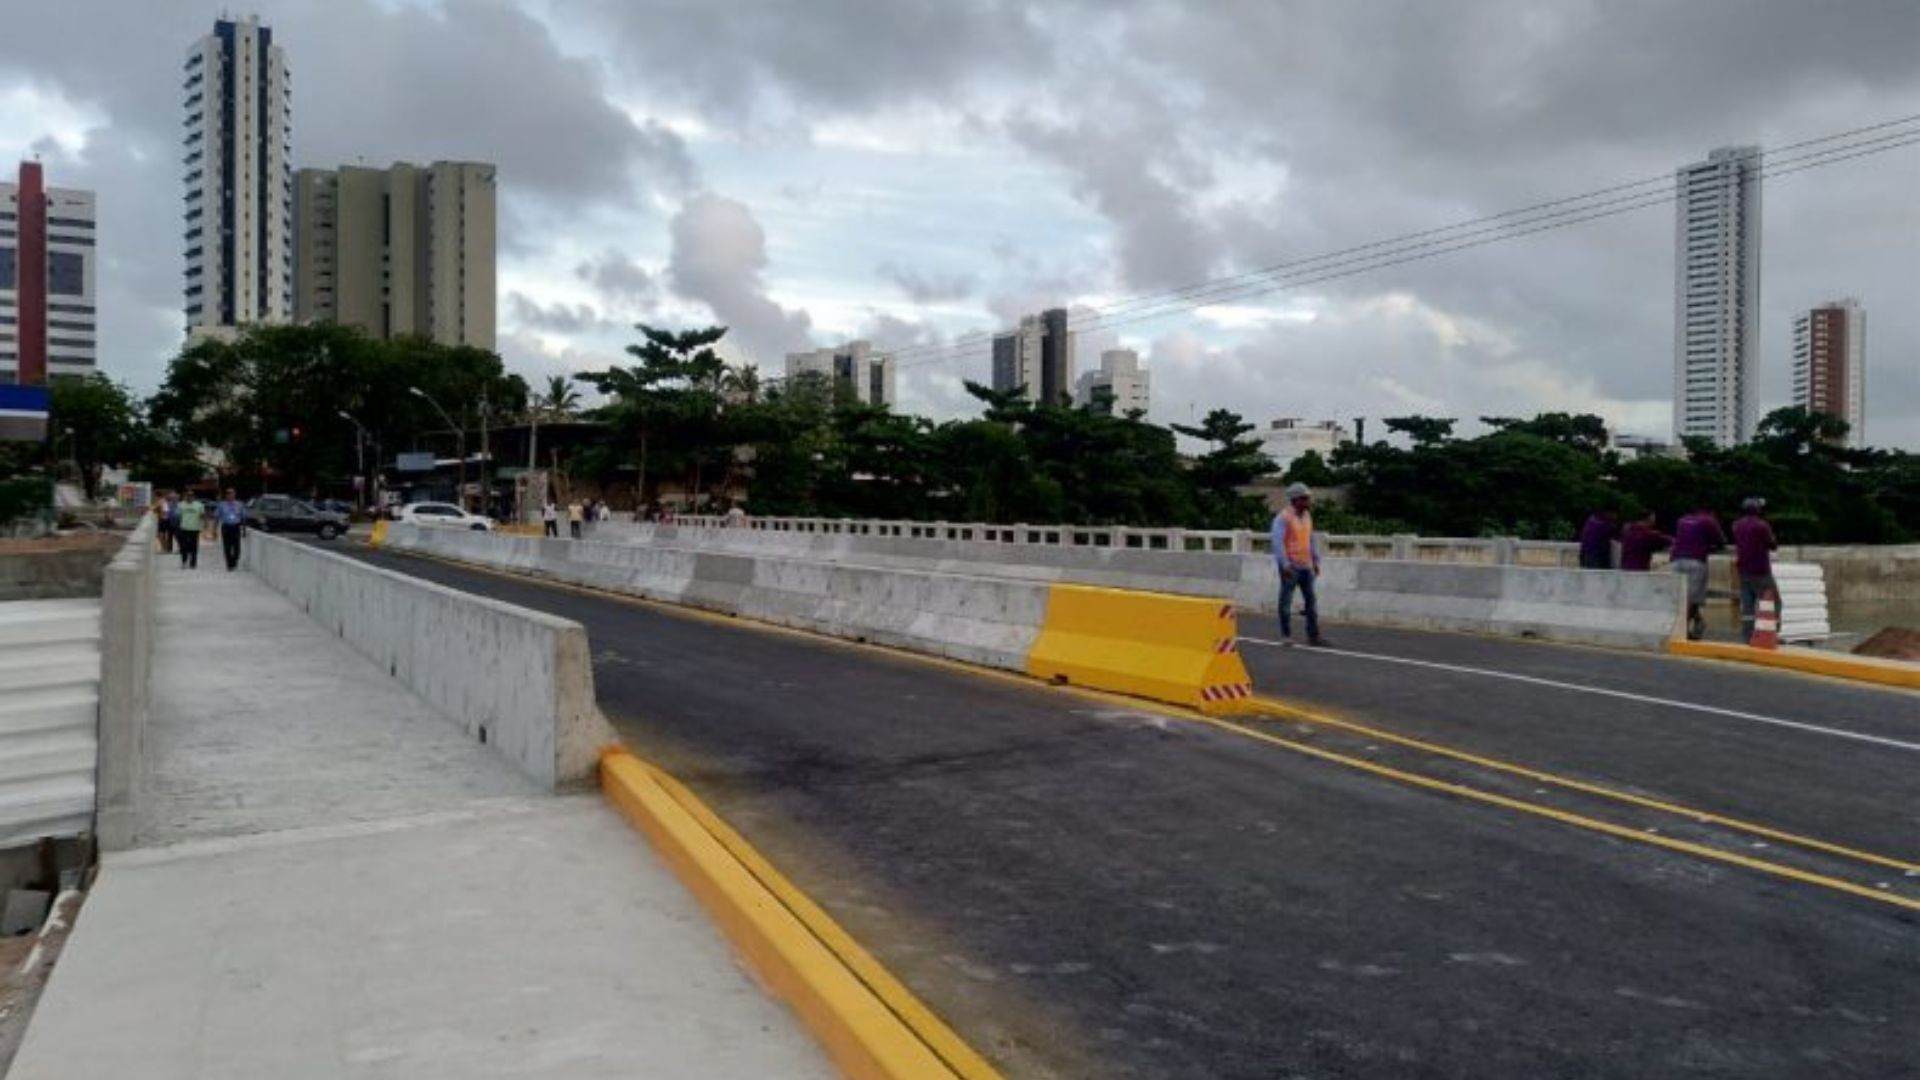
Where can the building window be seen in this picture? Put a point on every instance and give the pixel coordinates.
(66, 273)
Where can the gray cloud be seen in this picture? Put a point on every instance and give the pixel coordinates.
(836, 54)
(524, 311)
(929, 286)
(719, 254)
(617, 278)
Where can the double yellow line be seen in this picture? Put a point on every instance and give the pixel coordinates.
(1581, 821)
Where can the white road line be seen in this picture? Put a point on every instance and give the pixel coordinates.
(1838, 733)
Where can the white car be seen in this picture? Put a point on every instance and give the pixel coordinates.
(444, 515)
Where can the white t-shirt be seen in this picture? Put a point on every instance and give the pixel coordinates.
(550, 513)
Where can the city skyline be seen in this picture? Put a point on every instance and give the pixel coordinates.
(950, 190)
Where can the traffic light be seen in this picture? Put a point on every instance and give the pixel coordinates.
(297, 431)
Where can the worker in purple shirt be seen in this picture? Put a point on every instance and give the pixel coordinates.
(1697, 536)
(1638, 543)
(1753, 545)
(1596, 540)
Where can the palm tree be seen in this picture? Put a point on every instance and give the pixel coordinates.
(561, 399)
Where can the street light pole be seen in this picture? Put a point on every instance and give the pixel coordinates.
(458, 429)
(359, 458)
(486, 462)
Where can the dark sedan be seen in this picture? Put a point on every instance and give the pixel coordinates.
(284, 513)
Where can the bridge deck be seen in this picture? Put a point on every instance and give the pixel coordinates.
(1085, 887)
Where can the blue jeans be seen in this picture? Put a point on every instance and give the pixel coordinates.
(1303, 580)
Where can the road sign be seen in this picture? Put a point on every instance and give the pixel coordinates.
(23, 413)
(422, 462)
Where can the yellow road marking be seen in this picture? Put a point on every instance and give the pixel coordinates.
(1589, 788)
(952, 1049)
(1566, 817)
(1415, 779)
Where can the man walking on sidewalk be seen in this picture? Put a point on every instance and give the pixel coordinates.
(1297, 551)
(187, 539)
(232, 514)
(550, 519)
(1753, 545)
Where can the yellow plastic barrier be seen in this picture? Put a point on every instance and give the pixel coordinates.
(1179, 649)
(379, 536)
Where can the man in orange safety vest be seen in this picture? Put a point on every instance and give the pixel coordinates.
(1297, 551)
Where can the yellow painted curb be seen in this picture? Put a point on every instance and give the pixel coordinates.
(872, 1027)
(1867, 669)
(1179, 649)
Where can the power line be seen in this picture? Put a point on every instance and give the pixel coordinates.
(1442, 240)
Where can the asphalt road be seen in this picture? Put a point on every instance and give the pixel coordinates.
(1834, 760)
(1085, 889)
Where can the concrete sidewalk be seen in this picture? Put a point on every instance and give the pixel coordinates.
(330, 881)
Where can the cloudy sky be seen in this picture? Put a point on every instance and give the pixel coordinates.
(918, 171)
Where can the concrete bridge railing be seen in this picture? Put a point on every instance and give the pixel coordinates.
(1492, 551)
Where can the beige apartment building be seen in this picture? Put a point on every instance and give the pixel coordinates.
(399, 251)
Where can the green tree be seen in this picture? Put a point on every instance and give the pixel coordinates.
(94, 422)
(271, 401)
(1312, 470)
(1425, 431)
(559, 400)
(1233, 462)
(675, 387)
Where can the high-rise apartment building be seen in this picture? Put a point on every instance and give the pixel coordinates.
(1830, 364)
(1716, 297)
(239, 177)
(398, 252)
(1037, 355)
(854, 371)
(46, 279)
(1121, 386)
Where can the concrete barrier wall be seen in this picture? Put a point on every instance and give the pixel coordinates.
(518, 680)
(1585, 607)
(126, 663)
(981, 620)
(1639, 611)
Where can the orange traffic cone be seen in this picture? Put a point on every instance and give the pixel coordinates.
(1766, 621)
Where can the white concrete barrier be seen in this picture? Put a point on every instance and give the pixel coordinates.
(1586, 607)
(1638, 611)
(518, 680)
(979, 619)
(126, 666)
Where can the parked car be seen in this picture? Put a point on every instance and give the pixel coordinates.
(284, 513)
(443, 515)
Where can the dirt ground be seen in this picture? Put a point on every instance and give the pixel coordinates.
(78, 540)
(25, 963)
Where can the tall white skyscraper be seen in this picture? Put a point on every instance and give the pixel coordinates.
(1830, 364)
(1716, 297)
(239, 177)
